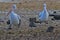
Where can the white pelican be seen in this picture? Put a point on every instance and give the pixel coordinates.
(43, 16)
(13, 17)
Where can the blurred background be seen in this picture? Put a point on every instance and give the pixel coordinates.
(31, 4)
(29, 9)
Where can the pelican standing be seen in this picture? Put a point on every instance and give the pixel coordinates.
(43, 16)
(13, 17)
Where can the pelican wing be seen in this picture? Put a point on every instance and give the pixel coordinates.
(19, 20)
(19, 17)
(41, 14)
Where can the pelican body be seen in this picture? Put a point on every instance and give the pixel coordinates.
(14, 18)
(43, 16)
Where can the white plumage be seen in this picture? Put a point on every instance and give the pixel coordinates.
(14, 18)
(43, 16)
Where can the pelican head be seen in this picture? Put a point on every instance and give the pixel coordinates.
(14, 6)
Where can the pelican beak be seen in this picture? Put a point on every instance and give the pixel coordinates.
(9, 12)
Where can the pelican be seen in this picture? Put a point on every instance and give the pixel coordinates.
(13, 17)
(43, 16)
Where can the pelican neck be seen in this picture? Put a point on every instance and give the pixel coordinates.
(44, 8)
